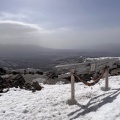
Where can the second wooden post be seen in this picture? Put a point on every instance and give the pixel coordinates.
(106, 80)
(72, 86)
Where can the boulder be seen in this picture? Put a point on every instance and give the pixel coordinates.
(18, 81)
(1, 80)
(36, 85)
(2, 71)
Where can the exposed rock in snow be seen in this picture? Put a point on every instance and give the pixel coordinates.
(17, 81)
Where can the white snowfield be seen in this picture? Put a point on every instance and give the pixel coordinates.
(51, 103)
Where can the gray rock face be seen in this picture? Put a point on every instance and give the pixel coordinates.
(18, 81)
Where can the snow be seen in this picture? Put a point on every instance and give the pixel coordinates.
(102, 58)
(51, 102)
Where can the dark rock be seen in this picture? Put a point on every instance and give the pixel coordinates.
(28, 86)
(36, 85)
(1, 80)
(2, 71)
(18, 81)
(15, 73)
(40, 73)
(51, 74)
(1, 90)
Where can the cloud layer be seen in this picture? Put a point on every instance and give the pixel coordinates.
(60, 24)
(13, 32)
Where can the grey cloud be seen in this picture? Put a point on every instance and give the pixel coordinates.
(12, 32)
(18, 16)
(79, 39)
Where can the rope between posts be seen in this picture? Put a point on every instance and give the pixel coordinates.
(94, 81)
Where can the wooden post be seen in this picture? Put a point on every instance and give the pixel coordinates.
(106, 80)
(72, 87)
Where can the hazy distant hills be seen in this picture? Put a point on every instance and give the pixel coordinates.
(112, 50)
(31, 56)
(31, 51)
(23, 51)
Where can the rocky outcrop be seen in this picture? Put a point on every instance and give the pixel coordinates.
(2, 71)
(36, 85)
(18, 81)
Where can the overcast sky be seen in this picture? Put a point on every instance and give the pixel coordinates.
(60, 23)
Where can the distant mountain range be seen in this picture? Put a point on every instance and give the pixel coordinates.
(30, 51)
(23, 51)
(31, 56)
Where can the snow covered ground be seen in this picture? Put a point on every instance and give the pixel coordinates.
(51, 103)
(102, 58)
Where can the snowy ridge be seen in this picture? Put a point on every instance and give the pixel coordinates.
(102, 58)
(51, 103)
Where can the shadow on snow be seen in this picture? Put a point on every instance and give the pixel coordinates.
(92, 105)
